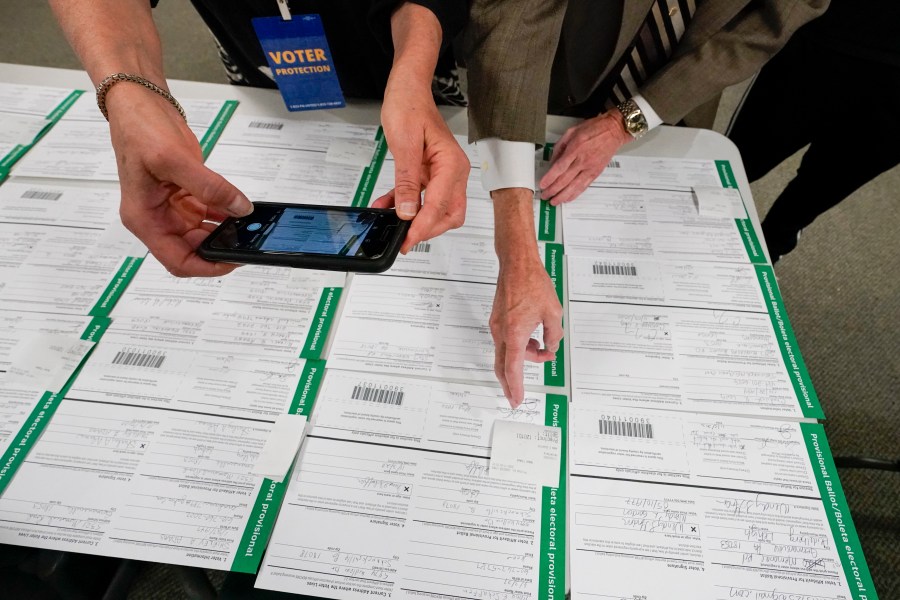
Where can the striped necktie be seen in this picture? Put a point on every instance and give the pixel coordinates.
(652, 47)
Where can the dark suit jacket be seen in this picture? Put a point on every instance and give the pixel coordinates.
(510, 47)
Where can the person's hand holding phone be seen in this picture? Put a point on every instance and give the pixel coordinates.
(426, 155)
(169, 198)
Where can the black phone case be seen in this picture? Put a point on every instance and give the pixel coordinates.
(306, 261)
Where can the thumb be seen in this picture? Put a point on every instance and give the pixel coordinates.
(407, 180)
(210, 188)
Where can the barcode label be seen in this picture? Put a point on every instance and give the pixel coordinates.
(138, 359)
(421, 247)
(604, 268)
(39, 195)
(626, 429)
(377, 394)
(266, 125)
(614, 164)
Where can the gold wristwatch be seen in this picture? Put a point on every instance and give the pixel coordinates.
(633, 118)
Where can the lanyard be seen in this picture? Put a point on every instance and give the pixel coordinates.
(284, 9)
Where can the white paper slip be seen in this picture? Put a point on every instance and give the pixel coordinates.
(356, 153)
(719, 202)
(45, 361)
(687, 359)
(710, 285)
(656, 224)
(526, 452)
(424, 327)
(281, 447)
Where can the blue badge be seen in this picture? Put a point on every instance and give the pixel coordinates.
(301, 62)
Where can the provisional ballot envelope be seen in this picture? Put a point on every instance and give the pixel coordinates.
(138, 364)
(168, 486)
(651, 211)
(686, 284)
(479, 207)
(430, 327)
(758, 513)
(79, 147)
(256, 310)
(39, 354)
(392, 496)
(67, 269)
(687, 359)
(26, 112)
(58, 205)
(709, 337)
(661, 173)
(299, 162)
(458, 257)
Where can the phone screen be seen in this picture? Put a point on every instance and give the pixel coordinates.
(302, 230)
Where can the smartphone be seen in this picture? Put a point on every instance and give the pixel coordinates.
(309, 237)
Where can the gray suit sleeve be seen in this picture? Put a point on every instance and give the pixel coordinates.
(509, 50)
(709, 61)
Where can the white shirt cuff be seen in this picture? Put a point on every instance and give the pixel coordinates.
(506, 164)
(653, 119)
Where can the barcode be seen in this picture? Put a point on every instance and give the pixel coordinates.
(138, 359)
(626, 429)
(380, 395)
(39, 195)
(614, 164)
(603, 268)
(266, 125)
(421, 247)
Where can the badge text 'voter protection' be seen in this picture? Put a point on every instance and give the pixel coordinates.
(298, 54)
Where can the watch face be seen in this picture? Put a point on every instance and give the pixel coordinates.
(635, 123)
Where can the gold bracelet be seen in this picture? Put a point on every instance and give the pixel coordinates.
(115, 78)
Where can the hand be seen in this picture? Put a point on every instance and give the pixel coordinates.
(525, 298)
(581, 154)
(169, 198)
(426, 155)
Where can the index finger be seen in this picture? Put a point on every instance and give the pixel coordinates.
(514, 369)
(560, 165)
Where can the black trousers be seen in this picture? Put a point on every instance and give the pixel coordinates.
(846, 108)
